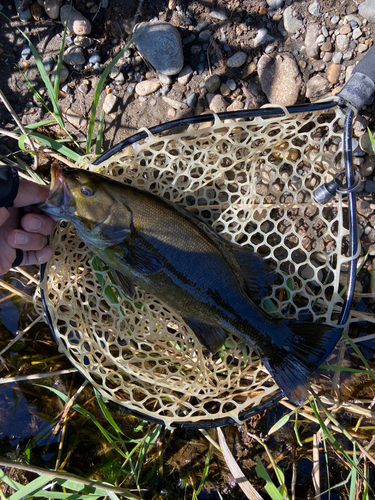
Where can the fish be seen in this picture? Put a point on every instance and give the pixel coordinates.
(214, 285)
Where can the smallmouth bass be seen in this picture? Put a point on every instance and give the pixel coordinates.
(213, 284)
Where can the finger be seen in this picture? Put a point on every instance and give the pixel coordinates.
(30, 193)
(37, 257)
(4, 214)
(37, 223)
(26, 241)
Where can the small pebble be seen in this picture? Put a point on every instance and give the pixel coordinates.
(164, 79)
(83, 41)
(74, 55)
(235, 106)
(218, 104)
(231, 84)
(147, 87)
(205, 35)
(314, 9)
(52, 8)
(64, 73)
(333, 73)
(175, 104)
(120, 79)
(189, 39)
(337, 58)
(275, 4)
(191, 100)
(95, 58)
(109, 103)
(114, 72)
(26, 52)
(212, 83)
(48, 64)
(357, 33)
(219, 15)
(184, 75)
(237, 60)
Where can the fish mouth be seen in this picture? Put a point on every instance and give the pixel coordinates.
(60, 198)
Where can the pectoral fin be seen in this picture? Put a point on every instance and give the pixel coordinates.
(211, 336)
(141, 259)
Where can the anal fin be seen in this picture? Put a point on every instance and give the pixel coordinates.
(211, 336)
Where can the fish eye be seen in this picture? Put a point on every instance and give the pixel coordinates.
(86, 191)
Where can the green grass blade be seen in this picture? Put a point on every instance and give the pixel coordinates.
(205, 473)
(99, 137)
(372, 140)
(270, 487)
(353, 480)
(358, 351)
(10, 482)
(31, 489)
(51, 143)
(98, 90)
(280, 423)
(105, 411)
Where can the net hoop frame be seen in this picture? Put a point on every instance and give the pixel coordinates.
(267, 112)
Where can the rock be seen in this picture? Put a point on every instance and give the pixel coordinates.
(114, 72)
(231, 84)
(357, 33)
(362, 47)
(175, 104)
(219, 15)
(120, 79)
(370, 186)
(367, 10)
(337, 58)
(24, 15)
(205, 35)
(83, 41)
(191, 100)
(364, 208)
(36, 11)
(164, 79)
(64, 73)
(312, 49)
(25, 52)
(291, 23)
(184, 75)
(317, 86)
(235, 106)
(342, 43)
(95, 58)
(314, 9)
(237, 60)
(333, 73)
(327, 46)
(224, 89)
(160, 43)
(74, 55)
(275, 4)
(48, 64)
(218, 104)
(52, 8)
(262, 37)
(77, 23)
(212, 83)
(109, 103)
(147, 87)
(74, 118)
(280, 78)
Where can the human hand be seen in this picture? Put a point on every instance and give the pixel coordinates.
(31, 238)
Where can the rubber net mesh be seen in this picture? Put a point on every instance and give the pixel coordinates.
(252, 181)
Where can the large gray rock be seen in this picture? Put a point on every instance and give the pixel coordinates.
(367, 10)
(160, 43)
(317, 86)
(280, 79)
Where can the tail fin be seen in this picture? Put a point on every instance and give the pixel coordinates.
(304, 348)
